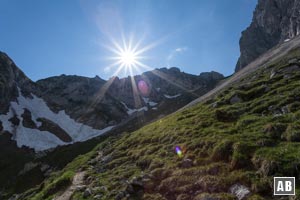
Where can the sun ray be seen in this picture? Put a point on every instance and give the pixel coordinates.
(167, 78)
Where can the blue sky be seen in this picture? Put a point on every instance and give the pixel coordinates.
(52, 37)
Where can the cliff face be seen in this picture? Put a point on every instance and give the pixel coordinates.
(10, 77)
(274, 21)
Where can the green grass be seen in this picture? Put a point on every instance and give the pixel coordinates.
(247, 143)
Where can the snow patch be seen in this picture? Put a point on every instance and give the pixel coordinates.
(286, 40)
(131, 111)
(172, 97)
(43, 140)
(151, 103)
(147, 101)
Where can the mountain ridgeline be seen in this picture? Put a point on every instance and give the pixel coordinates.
(274, 21)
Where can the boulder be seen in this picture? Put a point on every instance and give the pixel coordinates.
(240, 191)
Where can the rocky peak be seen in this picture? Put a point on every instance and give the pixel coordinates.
(211, 76)
(12, 77)
(274, 21)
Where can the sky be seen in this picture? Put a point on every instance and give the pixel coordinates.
(77, 37)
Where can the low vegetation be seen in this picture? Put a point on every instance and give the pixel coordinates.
(224, 142)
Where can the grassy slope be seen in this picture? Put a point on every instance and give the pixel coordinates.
(244, 143)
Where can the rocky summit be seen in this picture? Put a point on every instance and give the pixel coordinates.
(274, 22)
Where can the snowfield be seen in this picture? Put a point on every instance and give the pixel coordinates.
(43, 140)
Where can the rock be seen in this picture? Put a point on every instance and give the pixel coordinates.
(15, 120)
(273, 22)
(107, 159)
(290, 69)
(14, 197)
(103, 188)
(214, 105)
(235, 99)
(87, 193)
(48, 125)
(48, 172)
(27, 120)
(240, 191)
(89, 179)
(293, 61)
(211, 76)
(44, 167)
(137, 182)
(285, 110)
(80, 188)
(98, 196)
(186, 163)
(267, 168)
(27, 167)
(273, 73)
(121, 195)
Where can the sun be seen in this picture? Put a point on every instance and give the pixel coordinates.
(128, 58)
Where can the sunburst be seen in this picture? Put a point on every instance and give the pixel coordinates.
(128, 57)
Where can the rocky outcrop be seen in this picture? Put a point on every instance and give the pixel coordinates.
(274, 21)
(10, 77)
(83, 98)
(157, 85)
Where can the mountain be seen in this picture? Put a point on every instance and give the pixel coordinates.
(227, 145)
(274, 21)
(66, 109)
(47, 123)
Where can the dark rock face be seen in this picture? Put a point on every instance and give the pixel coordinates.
(50, 126)
(159, 82)
(15, 120)
(84, 99)
(27, 120)
(99, 103)
(274, 21)
(10, 77)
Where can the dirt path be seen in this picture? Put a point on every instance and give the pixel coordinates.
(267, 57)
(77, 181)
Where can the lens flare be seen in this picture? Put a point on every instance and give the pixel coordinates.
(143, 88)
(179, 151)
